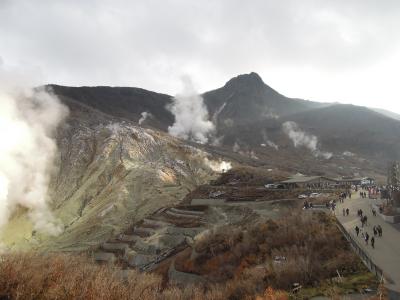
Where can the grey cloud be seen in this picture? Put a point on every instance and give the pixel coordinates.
(152, 43)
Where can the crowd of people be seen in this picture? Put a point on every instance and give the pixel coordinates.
(308, 205)
(377, 230)
(361, 230)
(370, 191)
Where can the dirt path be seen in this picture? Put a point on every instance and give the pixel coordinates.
(386, 254)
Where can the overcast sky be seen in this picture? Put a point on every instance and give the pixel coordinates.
(338, 50)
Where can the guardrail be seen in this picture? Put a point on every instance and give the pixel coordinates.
(167, 253)
(362, 254)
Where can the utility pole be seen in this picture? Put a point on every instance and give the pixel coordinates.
(394, 175)
(394, 184)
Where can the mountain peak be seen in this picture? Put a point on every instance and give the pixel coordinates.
(251, 80)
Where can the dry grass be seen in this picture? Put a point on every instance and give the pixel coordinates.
(61, 276)
(312, 245)
(238, 261)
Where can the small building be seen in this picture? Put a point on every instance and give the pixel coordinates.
(368, 181)
(345, 181)
(349, 181)
(310, 182)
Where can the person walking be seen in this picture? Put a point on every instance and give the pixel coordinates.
(357, 230)
(347, 211)
(375, 231)
(373, 242)
(379, 230)
(366, 238)
(363, 221)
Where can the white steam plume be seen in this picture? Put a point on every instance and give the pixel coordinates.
(144, 116)
(348, 153)
(28, 120)
(191, 116)
(301, 138)
(218, 166)
(236, 147)
(268, 141)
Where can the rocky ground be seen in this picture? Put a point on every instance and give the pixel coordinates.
(109, 174)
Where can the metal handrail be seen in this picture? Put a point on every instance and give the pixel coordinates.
(363, 255)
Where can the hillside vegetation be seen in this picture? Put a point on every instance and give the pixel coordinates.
(260, 260)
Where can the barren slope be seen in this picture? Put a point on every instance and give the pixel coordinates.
(109, 174)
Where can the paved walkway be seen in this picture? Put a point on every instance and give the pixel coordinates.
(386, 254)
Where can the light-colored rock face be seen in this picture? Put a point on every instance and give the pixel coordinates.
(109, 175)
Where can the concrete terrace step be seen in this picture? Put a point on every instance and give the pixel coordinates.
(180, 215)
(128, 238)
(115, 247)
(105, 257)
(143, 231)
(156, 223)
(190, 231)
(148, 249)
(136, 260)
(187, 212)
(164, 255)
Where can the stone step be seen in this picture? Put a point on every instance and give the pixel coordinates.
(128, 238)
(115, 247)
(187, 212)
(148, 249)
(155, 223)
(192, 232)
(179, 215)
(136, 260)
(143, 231)
(105, 257)
(164, 255)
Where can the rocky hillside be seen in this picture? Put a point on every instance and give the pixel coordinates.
(110, 173)
(250, 118)
(121, 102)
(247, 99)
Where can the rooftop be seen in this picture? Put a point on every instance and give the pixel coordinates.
(298, 179)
